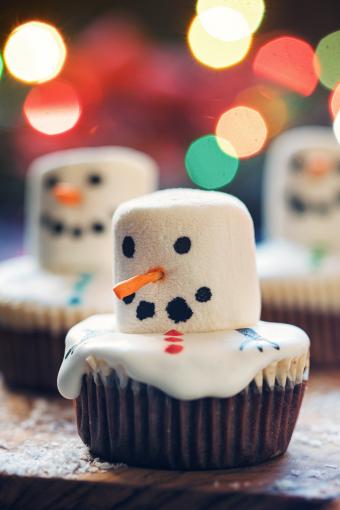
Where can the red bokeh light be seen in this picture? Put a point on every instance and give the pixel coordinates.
(52, 108)
(290, 62)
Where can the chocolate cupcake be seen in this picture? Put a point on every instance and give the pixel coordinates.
(66, 275)
(184, 376)
(299, 263)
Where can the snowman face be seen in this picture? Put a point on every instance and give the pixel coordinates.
(303, 188)
(72, 199)
(203, 242)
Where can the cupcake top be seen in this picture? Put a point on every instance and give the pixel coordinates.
(188, 303)
(185, 366)
(302, 189)
(71, 198)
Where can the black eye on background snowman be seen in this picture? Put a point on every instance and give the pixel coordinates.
(177, 309)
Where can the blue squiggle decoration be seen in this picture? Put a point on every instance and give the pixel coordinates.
(79, 288)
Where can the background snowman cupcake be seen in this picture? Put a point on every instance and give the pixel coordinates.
(66, 275)
(184, 375)
(299, 264)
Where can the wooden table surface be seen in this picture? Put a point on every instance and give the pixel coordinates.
(43, 464)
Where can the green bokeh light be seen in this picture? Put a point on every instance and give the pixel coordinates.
(328, 55)
(208, 166)
(1, 65)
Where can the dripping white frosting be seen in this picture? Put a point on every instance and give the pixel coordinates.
(215, 364)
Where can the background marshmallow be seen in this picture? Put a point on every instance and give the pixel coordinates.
(77, 237)
(302, 188)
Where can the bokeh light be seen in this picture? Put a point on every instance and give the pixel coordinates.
(334, 101)
(34, 52)
(336, 127)
(289, 62)
(269, 102)
(214, 52)
(207, 165)
(224, 23)
(52, 108)
(252, 11)
(244, 128)
(328, 56)
(1, 66)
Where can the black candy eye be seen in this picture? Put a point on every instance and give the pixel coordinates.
(297, 163)
(128, 247)
(94, 179)
(182, 245)
(51, 181)
(98, 228)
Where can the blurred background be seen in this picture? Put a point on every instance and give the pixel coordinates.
(158, 76)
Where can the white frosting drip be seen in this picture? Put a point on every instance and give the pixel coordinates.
(31, 297)
(215, 364)
(289, 276)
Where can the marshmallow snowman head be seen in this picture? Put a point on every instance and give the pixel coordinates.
(186, 260)
(72, 196)
(302, 188)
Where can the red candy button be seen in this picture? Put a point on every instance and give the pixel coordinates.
(173, 339)
(173, 349)
(173, 332)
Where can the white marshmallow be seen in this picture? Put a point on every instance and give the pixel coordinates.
(315, 193)
(123, 173)
(220, 262)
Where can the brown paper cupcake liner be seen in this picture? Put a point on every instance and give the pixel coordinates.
(322, 327)
(31, 359)
(32, 342)
(140, 425)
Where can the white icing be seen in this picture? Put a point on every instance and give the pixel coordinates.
(210, 364)
(290, 275)
(221, 258)
(27, 292)
(125, 174)
(316, 184)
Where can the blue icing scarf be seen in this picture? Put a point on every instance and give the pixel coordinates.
(79, 288)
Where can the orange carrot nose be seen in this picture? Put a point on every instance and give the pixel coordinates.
(67, 194)
(130, 286)
(318, 167)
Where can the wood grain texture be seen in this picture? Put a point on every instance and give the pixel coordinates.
(38, 431)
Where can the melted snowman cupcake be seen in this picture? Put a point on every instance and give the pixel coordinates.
(299, 264)
(66, 275)
(184, 375)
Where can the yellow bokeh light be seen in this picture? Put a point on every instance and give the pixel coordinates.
(214, 52)
(336, 127)
(224, 23)
(269, 102)
(244, 128)
(251, 10)
(34, 52)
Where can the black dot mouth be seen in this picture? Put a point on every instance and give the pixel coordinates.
(178, 310)
(58, 228)
(145, 310)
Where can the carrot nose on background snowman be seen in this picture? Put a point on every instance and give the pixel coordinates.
(67, 194)
(132, 285)
(318, 167)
